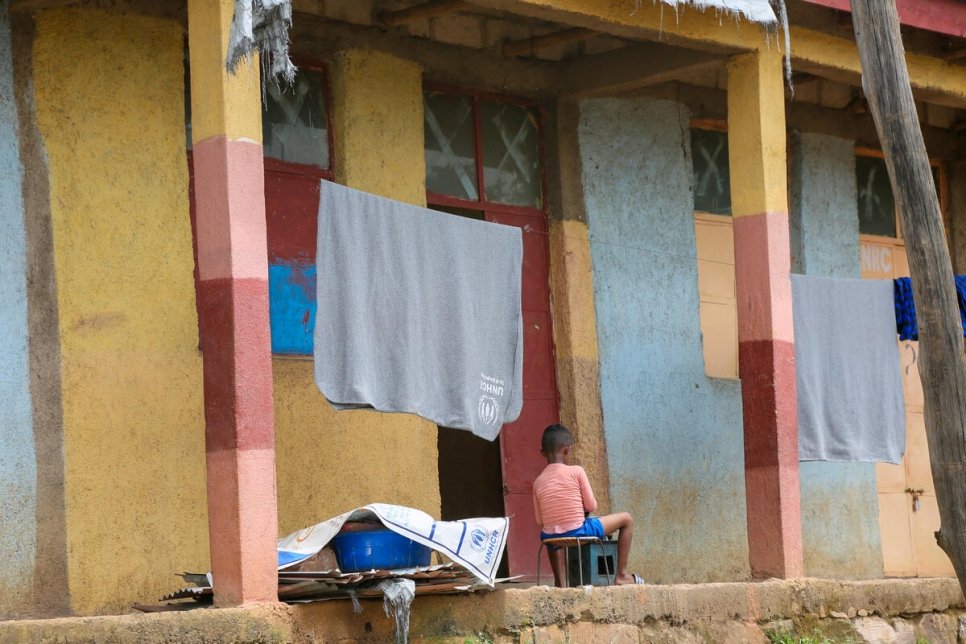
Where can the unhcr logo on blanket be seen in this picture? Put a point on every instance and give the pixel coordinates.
(490, 385)
(489, 410)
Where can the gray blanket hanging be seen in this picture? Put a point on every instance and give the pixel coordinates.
(418, 311)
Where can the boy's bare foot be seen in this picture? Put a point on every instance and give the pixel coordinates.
(628, 580)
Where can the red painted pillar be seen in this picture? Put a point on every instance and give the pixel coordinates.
(766, 338)
(233, 310)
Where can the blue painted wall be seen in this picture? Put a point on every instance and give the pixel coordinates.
(292, 306)
(673, 435)
(18, 473)
(840, 521)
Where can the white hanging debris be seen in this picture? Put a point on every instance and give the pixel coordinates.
(759, 11)
(772, 14)
(262, 26)
(397, 596)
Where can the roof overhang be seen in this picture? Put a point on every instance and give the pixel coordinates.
(941, 16)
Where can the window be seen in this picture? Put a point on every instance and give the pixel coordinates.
(876, 206)
(709, 155)
(481, 150)
(714, 244)
(878, 215)
(295, 125)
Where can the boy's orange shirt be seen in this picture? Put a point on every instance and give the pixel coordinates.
(561, 496)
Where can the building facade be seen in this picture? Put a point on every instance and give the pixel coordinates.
(158, 243)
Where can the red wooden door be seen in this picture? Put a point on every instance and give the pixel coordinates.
(520, 440)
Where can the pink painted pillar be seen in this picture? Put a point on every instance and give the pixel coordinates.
(233, 310)
(766, 338)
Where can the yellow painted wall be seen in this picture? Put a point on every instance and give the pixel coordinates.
(329, 462)
(110, 109)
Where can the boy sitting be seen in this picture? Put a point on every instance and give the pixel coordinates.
(562, 498)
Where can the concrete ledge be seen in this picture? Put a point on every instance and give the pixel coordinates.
(878, 610)
(264, 624)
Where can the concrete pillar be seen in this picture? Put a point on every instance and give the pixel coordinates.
(233, 311)
(766, 339)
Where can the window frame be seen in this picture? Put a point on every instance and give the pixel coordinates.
(713, 125)
(306, 169)
(482, 204)
(943, 195)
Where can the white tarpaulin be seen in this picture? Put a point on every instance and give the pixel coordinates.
(476, 544)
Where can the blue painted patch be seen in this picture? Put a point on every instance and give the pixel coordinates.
(18, 466)
(291, 301)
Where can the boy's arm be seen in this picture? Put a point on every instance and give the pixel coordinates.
(536, 510)
(586, 493)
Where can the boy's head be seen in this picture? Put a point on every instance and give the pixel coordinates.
(556, 443)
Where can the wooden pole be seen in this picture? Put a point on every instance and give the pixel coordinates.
(941, 360)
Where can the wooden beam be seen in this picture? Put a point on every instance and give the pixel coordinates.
(819, 53)
(420, 11)
(24, 6)
(530, 46)
(634, 67)
(315, 37)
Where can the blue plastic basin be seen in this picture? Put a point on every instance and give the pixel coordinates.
(378, 550)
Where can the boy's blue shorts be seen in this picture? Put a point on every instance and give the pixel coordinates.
(592, 528)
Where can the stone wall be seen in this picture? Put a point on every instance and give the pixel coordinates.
(890, 610)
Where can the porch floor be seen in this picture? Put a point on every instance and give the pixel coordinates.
(877, 610)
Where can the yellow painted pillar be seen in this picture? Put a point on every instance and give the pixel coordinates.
(233, 312)
(766, 339)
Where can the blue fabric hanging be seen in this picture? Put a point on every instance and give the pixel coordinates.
(906, 324)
